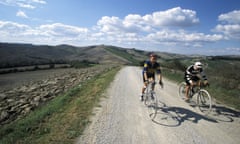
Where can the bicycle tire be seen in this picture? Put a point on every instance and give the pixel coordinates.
(147, 95)
(204, 101)
(147, 99)
(181, 90)
(152, 106)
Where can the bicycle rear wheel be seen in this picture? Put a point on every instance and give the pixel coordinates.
(204, 101)
(181, 90)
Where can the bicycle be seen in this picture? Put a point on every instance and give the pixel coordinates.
(150, 99)
(204, 100)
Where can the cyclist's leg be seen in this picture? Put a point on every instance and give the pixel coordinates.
(144, 84)
(188, 86)
(152, 78)
(143, 88)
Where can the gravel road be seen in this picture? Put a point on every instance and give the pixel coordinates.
(123, 119)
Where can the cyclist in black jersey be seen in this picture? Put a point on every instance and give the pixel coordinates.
(193, 75)
(150, 67)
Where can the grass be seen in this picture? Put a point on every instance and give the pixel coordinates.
(62, 119)
(124, 54)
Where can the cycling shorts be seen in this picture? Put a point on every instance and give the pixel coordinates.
(149, 75)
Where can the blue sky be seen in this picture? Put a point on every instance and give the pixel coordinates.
(209, 27)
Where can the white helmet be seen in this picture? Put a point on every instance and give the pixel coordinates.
(198, 65)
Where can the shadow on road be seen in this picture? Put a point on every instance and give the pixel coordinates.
(175, 116)
(220, 113)
(223, 114)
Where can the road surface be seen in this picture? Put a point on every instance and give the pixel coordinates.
(123, 119)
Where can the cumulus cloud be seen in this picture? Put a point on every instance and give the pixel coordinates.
(58, 29)
(12, 28)
(21, 14)
(231, 17)
(155, 28)
(173, 17)
(176, 17)
(52, 33)
(182, 36)
(230, 25)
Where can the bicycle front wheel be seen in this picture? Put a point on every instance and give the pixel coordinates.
(204, 101)
(152, 106)
(182, 90)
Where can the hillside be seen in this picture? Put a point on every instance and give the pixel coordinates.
(15, 55)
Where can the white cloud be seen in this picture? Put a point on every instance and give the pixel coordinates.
(155, 28)
(28, 4)
(231, 31)
(182, 37)
(21, 14)
(56, 33)
(230, 26)
(61, 30)
(12, 28)
(231, 17)
(176, 17)
(173, 17)
(39, 1)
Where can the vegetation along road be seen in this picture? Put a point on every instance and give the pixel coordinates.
(123, 119)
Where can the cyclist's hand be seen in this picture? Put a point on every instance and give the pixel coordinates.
(161, 83)
(206, 83)
(146, 82)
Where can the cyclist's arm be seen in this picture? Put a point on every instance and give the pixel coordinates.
(145, 69)
(145, 75)
(203, 75)
(188, 74)
(159, 73)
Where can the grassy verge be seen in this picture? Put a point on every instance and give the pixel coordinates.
(62, 119)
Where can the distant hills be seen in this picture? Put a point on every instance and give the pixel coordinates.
(16, 55)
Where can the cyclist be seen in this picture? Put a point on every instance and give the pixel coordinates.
(150, 67)
(193, 75)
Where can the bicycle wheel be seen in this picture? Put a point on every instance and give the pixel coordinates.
(147, 95)
(147, 99)
(204, 101)
(181, 90)
(152, 106)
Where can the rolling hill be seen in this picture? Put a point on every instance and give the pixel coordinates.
(16, 55)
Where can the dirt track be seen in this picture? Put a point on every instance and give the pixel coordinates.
(123, 119)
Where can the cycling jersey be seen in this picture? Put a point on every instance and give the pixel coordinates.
(150, 69)
(192, 74)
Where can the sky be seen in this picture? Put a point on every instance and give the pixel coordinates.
(208, 27)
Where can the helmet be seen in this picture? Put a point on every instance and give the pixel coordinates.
(198, 65)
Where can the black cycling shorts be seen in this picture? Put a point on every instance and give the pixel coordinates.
(195, 79)
(149, 75)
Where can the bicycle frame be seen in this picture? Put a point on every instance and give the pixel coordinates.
(204, 100)
(149, 91)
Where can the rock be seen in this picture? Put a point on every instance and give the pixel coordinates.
(3, 96)
(4, 115)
